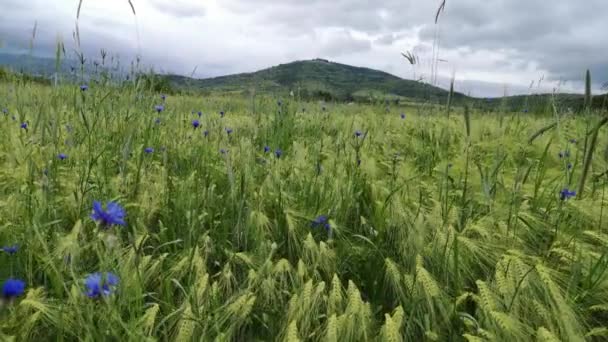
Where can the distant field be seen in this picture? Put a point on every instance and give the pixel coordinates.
(274, 219)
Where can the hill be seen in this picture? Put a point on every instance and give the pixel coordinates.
(312, 79)
(320, 78)
(70, 69)
(539, 103)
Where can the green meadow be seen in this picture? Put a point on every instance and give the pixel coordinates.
(289, 220)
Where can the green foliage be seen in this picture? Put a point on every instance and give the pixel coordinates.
(440, 230)
(7, 76)
(152, 82)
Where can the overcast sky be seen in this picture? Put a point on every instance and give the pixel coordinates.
(489, 45)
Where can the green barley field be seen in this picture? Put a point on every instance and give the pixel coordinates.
(129, 217)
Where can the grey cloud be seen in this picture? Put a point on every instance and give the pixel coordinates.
(360, 15)
(179, 8)
(387, 39)
(562, 37)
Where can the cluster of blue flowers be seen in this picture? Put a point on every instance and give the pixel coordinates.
(99, 284)
(113, 215)
(96, 285)
(12, 288)
(321, 221)
(10, 250)
(566, 154)
(566, 194)
(277, 153)
(104, 284)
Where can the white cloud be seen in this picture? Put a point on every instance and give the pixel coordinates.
(340, 42)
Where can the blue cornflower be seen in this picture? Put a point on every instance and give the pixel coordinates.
(195, 124)
(62, 156)
(5, 110)
(223, 151)
(113, 215)
(228, 131)
(564, 154)
(24, 125)
(573, 141)
(321, 220)
(149, 150)
(157, 121)
(358, 162)
(13, 288)
(200, 114)
(159, 108)
(525, 110)
(569, 166)
(99, 284)
(163, 97)
(206, 133)
(278, 152)
(358, 133)
(402, 115)
(13, 118)
(222, 114)
(566, 194)
(84, 87)
(279, 103)
(10, 250)
(266, 149)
